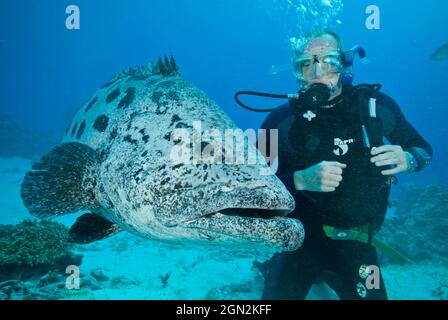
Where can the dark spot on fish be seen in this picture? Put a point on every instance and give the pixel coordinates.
(91, 103)
(111, 205)
(81, 129)
(121, 166)
(205, 176)
(223, 155)
(74, 130)
(175, 119)
(101, 123)
(167, 137)
(113, 95)
(113, 134)
(145, 138)
(108, 84)
(127, 99)
(128, 138)
(178, 186)
(142, 131)
(165, 181)
(145, 153)
(182, 125)
(135, 175)
(182, 185)
(178, 166)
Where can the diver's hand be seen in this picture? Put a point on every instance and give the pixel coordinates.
(322, 177)
(390, 155)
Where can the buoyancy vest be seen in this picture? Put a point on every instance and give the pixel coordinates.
(344, 133)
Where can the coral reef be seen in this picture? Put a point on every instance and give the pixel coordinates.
(33, 260)
(418, 228)
(33, 248)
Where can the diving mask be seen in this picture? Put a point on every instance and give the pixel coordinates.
(329, 63)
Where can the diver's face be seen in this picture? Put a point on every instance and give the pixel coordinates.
(321, 63)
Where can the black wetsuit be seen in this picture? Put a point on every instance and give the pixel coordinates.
(334, 134)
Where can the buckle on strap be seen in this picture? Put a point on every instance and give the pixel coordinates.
(360, 233)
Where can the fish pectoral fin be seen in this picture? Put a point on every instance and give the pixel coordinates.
(90, 227)
(62, 182)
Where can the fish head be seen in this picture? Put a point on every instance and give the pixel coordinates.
(203, 180)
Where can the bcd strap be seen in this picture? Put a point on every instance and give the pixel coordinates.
(365, 96)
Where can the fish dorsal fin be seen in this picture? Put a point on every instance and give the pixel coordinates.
(165, 66)
(62, 182)
(90, 227)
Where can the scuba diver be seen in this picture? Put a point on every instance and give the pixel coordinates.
(333, 159)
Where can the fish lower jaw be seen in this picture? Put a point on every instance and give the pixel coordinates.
(281, 233)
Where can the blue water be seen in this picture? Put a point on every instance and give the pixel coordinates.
(47, 72)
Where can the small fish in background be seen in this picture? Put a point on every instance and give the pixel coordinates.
(441, 54)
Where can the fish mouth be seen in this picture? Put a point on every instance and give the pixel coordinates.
(256, 226)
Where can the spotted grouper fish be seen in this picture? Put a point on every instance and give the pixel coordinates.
(116, 163)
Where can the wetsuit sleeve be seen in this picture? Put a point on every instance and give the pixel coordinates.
(400, 132)
(273, 121)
